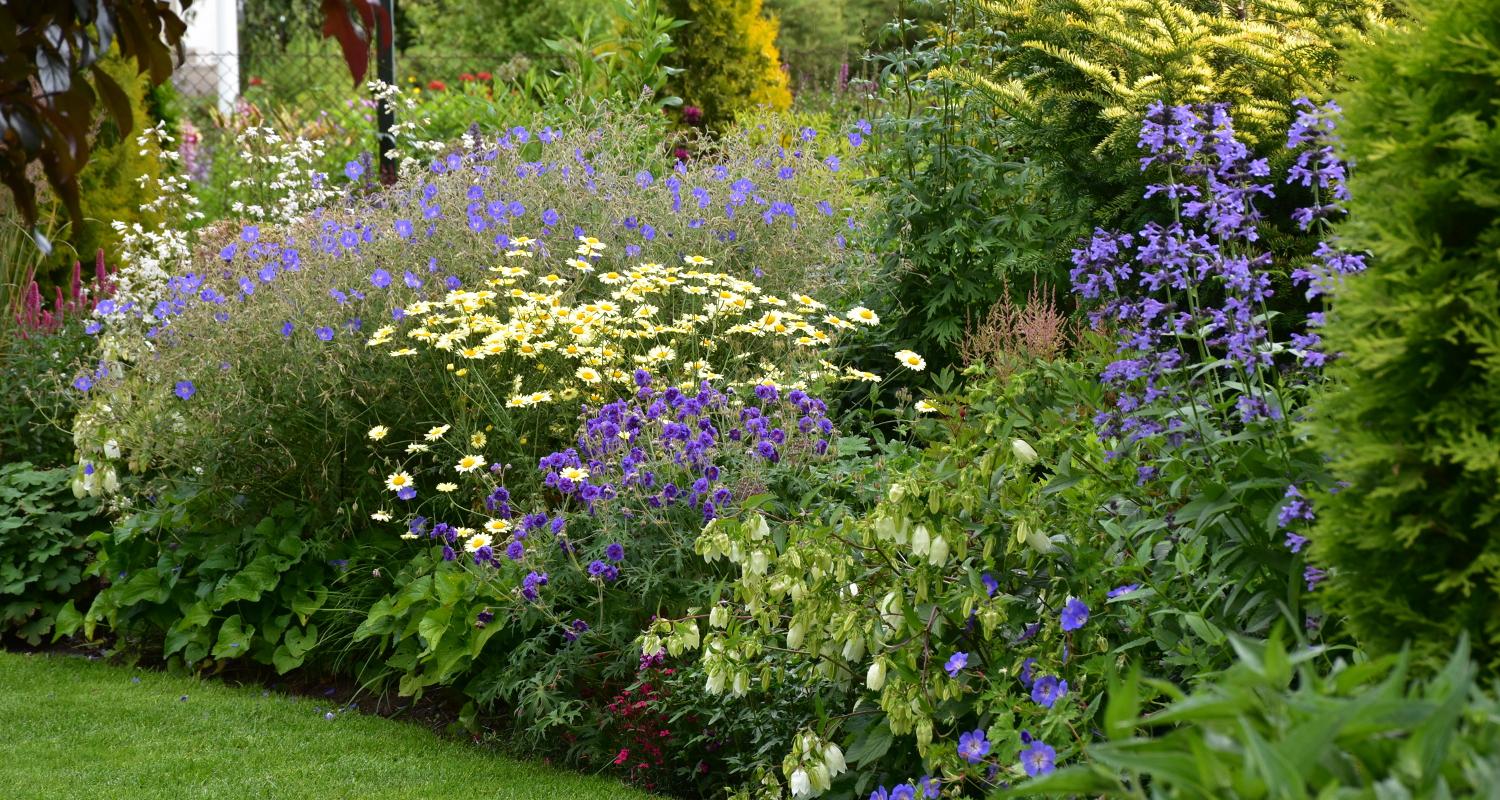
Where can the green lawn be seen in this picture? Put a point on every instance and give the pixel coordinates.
(70, 728)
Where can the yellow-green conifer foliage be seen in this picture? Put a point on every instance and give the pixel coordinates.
(729, 58)
(115, 183)
(1080, 74)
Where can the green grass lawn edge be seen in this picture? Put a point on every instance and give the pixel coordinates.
(73, 728)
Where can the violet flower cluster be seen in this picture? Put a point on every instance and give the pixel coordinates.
(1189, 298)
(667, 447)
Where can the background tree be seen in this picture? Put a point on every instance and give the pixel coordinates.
(51, 79)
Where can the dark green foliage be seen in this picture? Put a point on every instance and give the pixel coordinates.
(271, 588)
(36, 406)
(964, 211)
(1276, 725)
(1413, 542)
(42, 553)
(111, 184)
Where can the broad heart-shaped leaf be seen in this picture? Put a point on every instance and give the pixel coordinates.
(234, 639)
(378, 622)
(305, 604)
(284, 661)
(140, 587)
(298, 642)
(67, 621)
(433, 626)
(260, 576)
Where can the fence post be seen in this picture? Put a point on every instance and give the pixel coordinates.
(385, 69)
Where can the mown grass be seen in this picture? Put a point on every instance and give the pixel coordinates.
(70, 728)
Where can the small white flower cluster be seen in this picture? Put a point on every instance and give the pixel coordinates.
(406, 133)
(149, 256)
(812, 765)
(280, 178)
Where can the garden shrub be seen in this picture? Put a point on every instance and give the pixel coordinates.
(1079, 78)
(1277, 725)
(1411, 421)
(1015, 133)
(115, 184)
(563, 577)
(963, 214)
(43, 527)
(728, 57)
(185, 574)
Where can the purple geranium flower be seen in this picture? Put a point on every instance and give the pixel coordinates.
(973, 746)
(1074, 614)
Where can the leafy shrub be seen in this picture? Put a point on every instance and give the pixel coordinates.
(1410, 422)
(1275, 725)
(186, 573)
(728, 57)
(42, 552)
(562, 578)
(111, 185)
(963, 215)
(244, 356)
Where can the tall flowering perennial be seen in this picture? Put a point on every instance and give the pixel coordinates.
(1191, 299)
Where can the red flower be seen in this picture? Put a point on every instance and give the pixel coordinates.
(467, 76)
(436, 86)
(621, 758)
(255, 80)
(484, 76)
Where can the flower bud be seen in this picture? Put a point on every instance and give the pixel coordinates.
(1023, 451)
(741, 683)
(938, 553)
(921, 541)
(795, 635)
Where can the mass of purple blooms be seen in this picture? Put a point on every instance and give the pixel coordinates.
(669, 448)
(1189, 298)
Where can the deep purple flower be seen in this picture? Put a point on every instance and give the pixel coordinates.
(973, 746)
(956, 664)
(1122, 590)
(1038, 759)
(185, 390)
(380, 279)
(1047, 690)
(354, 170)
(324, 333)
(615, 552)
(1074, 614)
